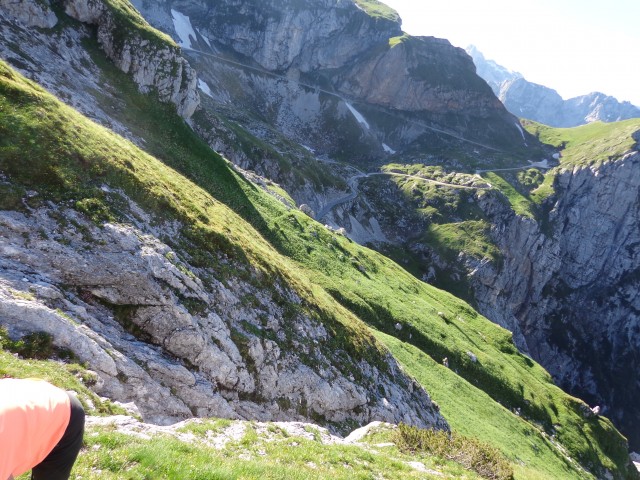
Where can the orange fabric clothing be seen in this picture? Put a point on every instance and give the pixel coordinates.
(33, 417)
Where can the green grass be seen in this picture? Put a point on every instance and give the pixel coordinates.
(68, 376)
(589, 144)
(70, 158)
(127, 20)
(395, 41)
(519, 203)
(446, 218)
(545, 190)
(463, 403)
(378, 9)
(470, 237)
(270, 454)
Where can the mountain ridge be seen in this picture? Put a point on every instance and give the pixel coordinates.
(543, 104)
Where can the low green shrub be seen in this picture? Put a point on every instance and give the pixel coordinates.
(36, 346)
(472, 454)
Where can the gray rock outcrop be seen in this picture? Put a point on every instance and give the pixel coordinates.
(569, 290)
(31, 13)
(154, 63)
(175, 340)
(438, 84)
(287, 34)
(304, 60)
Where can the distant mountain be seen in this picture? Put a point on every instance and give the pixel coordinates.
(543, 104)
(492, 73)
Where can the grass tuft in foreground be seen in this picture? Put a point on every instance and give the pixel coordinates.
(17, 361)
(469, 452)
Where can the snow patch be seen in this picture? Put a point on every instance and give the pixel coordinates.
(204, 87)
(183, 27)
(542, 164)
(521, 132)
(388, 149)
(204, 37)
(309, 149)
(358, 116)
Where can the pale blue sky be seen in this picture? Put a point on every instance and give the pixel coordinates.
(572, 46)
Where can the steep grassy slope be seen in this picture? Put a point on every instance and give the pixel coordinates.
(70, 158)
(49, 147)
(589, 144)
(378, 9)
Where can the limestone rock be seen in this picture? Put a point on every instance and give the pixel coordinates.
(352, 52)
(152, 63)
(281, 35)
(32, 13)
(570, 293)
(176, 345)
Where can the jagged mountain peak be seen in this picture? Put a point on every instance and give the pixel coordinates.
(545, 105)
(493, 73)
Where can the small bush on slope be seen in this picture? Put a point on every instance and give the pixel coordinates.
(470, 453)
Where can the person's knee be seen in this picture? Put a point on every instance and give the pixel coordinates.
(76, 419)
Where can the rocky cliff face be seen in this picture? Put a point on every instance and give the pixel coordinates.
(69, 73)
(569, 290)
(565, 283)
(179, 343)
(285, 35)
(542, 104)
(153, 62)
(181, 339)
(158, 331)
(298, 64)
(439, 85)
(30, 13)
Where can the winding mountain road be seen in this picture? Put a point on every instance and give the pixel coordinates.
(342, 97)
(353, 186)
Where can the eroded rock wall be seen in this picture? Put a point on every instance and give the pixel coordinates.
(569, 288)
(403, 85)
(281, 35)
(31, 13)
(154, 63)
(177, 341)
